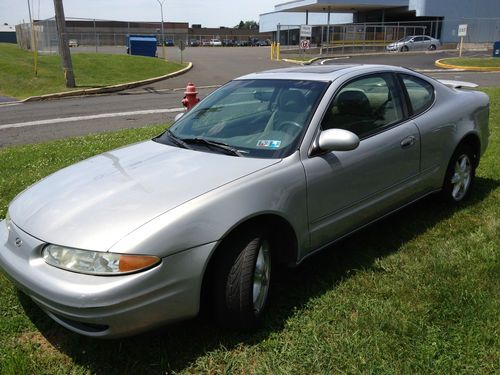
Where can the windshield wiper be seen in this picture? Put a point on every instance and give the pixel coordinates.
(219, 145)
(176, 140)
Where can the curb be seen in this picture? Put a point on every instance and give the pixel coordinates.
(299, 62)
(441, 64)
(107, 89)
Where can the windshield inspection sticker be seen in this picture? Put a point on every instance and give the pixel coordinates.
(269, 144)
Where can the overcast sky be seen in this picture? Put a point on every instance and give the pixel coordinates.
(209, 13)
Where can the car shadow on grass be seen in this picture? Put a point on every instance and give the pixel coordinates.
(177, 347)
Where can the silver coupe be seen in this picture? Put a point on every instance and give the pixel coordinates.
(267, 170)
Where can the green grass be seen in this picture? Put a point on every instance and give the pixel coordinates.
(417, 293)
(17, 78)
(484, 62)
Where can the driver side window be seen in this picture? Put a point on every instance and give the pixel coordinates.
(365, 106)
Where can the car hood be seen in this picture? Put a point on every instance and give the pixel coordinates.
(93, 204)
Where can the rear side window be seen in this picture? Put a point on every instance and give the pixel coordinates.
(420, 93)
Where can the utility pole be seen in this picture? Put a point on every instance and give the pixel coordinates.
(67, 65)
(34, 46)
(162, 29)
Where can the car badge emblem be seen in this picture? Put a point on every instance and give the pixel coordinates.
(18, 242)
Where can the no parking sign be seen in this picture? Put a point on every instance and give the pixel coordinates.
(305, 44)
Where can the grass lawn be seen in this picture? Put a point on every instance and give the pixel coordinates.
(416, 293)
(91, 70)
(483, 62)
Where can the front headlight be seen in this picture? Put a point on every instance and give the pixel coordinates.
(96, 263)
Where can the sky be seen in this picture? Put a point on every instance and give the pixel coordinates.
(208, 13)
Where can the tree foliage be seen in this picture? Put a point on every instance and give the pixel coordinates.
(247, 25)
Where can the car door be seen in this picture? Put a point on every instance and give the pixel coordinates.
(416, 44)
(346, 189)
(426, 42)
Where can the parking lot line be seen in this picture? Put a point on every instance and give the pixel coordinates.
(90, 117)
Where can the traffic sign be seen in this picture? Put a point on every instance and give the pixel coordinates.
(306, 31)
(462, 30)
(305, 44)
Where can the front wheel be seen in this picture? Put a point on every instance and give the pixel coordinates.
(460, 174)
(242, 280)
(404, 49)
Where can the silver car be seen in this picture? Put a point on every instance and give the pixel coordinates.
(267, 170)
(415, 43)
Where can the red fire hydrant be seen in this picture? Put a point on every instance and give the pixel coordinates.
(190, 98)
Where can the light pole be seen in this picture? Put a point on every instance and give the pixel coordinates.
(161, 2)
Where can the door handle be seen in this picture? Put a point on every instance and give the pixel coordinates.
(408, 142)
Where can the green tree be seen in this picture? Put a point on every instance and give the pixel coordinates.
(247, 25)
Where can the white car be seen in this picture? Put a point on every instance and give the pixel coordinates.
(73, 43)
(215, 43)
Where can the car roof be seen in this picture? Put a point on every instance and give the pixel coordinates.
(320, 72)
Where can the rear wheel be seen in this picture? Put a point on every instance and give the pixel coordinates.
(432, 47)
(460, 174)
(242, 280)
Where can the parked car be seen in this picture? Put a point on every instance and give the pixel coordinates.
(194, 43)
(242, 43)
(228, 42)
(415, 43)
(205, 43)
(260, 42)
(169, 42)
(73, 43)
(269, 169)
(215, 43)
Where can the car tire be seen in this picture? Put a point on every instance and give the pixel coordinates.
(432, 47)
(460, 174)
(242, 281)
(404, 49)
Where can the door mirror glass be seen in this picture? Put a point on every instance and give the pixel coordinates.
(338, 140)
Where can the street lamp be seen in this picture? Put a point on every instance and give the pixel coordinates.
(161, 2)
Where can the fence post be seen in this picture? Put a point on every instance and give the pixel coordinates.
(95, 36)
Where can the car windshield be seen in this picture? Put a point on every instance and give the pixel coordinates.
(250, 118)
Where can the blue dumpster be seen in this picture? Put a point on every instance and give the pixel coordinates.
(142, 45)
(496, 49)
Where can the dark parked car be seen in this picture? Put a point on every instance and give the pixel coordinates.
(228, 43)
(242, 43)
(194, 43)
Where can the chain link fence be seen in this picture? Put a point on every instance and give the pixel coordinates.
(356, 37)
(374, 37)
(479, 31)
(101, 33)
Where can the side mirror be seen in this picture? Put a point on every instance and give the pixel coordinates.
(178, 116)
(338, 140)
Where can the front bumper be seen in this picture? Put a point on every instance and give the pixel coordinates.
(105, 306)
